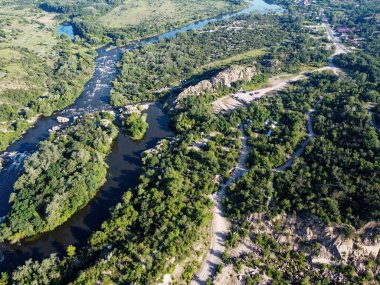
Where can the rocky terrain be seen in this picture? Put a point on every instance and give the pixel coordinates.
(300, 250)
(225, 78)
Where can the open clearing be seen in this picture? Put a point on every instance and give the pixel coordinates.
(161, 12)
(27, 28)
(249, 55)
(26, 47)
(27, 42)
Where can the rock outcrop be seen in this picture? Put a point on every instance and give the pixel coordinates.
(223, 79)
(320, 244)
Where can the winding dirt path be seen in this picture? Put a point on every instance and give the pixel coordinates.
(232, 101)
(373, 116)
(310, 135)
(229, 102)
(373, 120)
(220, 224)
(340, 49)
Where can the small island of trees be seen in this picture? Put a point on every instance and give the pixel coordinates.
(135, 125)
(60, 178)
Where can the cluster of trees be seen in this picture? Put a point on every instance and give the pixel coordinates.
(33, 272)
(88, 30)
(156, 222)
(147, 72)
(337, 176)
(60, 178)
(364, 67)
(136, 125)
(64, 81)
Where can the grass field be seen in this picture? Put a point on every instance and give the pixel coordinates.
(26, 47)
(27, 28)
(26, 51)
(252, 54)
(27, 55)
(160, 12)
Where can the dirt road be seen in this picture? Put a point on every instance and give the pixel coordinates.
(300, 150)
(220, 224)
(233, 101)
(339, 48)
(236, 100)
(373, 119)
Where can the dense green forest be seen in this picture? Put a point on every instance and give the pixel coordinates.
(337, 177)
(363, 67)
(60, 178)
(157, 222)
(167, 63)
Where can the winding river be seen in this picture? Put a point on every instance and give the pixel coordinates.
(124, 161)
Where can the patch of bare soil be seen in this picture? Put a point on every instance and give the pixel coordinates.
(47, 19)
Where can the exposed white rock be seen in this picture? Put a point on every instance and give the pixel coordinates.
(223, 79)
(344, 247)
(62, 120)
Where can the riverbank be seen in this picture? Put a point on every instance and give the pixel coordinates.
(124, 161)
